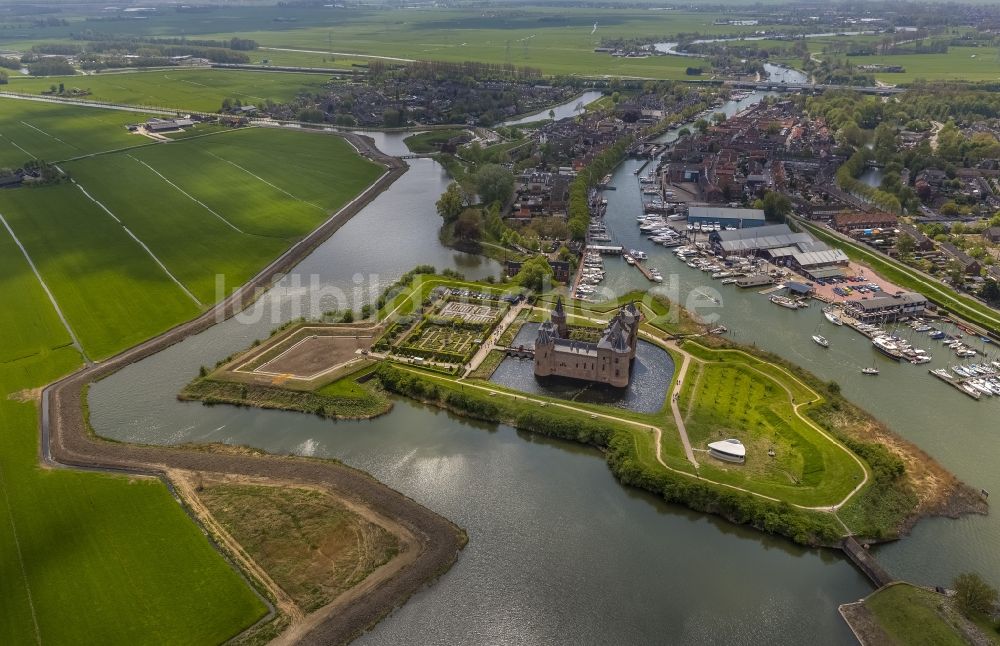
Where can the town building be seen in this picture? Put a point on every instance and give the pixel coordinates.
(608, 361)
(848, 221)
(886, 308)
(726, 217)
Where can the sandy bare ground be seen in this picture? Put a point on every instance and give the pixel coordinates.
(435, 543)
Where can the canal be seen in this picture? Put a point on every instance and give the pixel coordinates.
(559, 552)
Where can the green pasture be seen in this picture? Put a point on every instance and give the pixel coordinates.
(112, 292)
(181, 88)
(94, 557)
(242, 202)
(30, 323)
(53, 132)
(959, 63)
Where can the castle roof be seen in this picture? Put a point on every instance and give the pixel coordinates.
(546, 333)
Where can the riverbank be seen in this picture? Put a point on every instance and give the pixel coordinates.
(901, 613)
(66, 441)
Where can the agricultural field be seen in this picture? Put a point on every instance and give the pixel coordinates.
(181, 89)
(556, 40)
(110, 289)
(30, 323)
(112, 558)
(729, 394)
(54, 132)
(959, 63)
(226, 204)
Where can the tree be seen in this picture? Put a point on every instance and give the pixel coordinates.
(469, 225)
(719, 117)
(494, 183)
(905, 244)
(991, 293)
(451, 203)
(535, 274)
(616, 97)
(701, 125)
(776, 206)
(973, 594)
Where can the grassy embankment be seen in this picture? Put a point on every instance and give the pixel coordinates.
(225, 205)
(202, 90)
(114, 558)
(342, 398)
(912, 616)
(941, 295)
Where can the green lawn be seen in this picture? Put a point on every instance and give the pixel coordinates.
(93, 557)
(732, 395)
(911, 617)
(49, 131)
(181, 89)
(112, 292)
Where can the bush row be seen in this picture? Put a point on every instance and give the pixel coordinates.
(803, 527)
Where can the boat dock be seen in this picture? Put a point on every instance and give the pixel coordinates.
(956, 383)
(607, 250)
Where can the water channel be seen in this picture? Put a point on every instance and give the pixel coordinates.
(571, 108)
(559, 552)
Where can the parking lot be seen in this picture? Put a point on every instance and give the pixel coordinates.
(855, 286)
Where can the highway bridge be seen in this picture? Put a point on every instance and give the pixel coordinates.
(812, 87)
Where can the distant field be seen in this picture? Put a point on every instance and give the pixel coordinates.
(960, 63)
(49, 131)
(89, 557)
(558, 40)
(191, 89)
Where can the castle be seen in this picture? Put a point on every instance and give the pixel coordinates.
(609, 361)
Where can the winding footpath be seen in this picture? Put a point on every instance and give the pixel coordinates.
(431, 542)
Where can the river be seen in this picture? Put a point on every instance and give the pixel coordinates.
(559, 552)
(571, 108)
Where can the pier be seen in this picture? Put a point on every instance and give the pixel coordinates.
(865, 562)
(957, 384)
(643, 270)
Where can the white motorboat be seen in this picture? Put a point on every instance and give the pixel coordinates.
(821, 340)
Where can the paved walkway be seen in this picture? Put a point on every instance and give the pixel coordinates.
(675, 407)
(487, 347)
